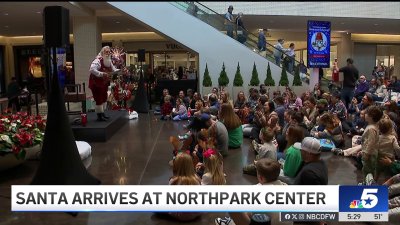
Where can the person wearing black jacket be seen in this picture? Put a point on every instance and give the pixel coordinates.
(350, 76)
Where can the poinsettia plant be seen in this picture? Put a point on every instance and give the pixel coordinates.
(20, 131)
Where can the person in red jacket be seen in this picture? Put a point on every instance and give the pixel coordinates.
(99, 80)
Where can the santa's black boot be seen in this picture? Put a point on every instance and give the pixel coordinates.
(100, 117)
(104, 116)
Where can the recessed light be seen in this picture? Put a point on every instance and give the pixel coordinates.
(6, 14)
(6, 26)
(117, 22)
(38, 12)
(347, 32)
(376, 24)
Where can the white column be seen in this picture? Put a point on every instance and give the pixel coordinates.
(345, 51)
(396, 61)
(87, 44)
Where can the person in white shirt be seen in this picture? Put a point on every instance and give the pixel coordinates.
(278, 51)
(290, 54)
(229, 21)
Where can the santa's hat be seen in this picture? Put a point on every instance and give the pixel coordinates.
(319, 37)
(60, 162)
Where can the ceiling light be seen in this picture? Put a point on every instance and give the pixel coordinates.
(6, 26)
(6, 14)
(38, 12)
(117, 22)
(376, 24)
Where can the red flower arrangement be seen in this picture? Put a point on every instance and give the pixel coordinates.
(20, 131)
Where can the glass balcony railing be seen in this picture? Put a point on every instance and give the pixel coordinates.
(218, 21)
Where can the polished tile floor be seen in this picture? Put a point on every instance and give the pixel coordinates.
(138, 154)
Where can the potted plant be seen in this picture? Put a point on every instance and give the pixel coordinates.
(284, 78)
(269, 81)
(254, 81)
(223, 79)
(20, 137)
(297, 83)
(237, 83)
(207, 82)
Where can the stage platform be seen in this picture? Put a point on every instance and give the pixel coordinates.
(95, 131)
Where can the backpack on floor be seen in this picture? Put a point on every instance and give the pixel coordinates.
(326, 145)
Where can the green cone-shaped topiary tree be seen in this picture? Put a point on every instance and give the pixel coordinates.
(238, 80)
(223, 79)
(254, 81)
(297, 79)
(269, 81)
(284, 79)
(207, 79)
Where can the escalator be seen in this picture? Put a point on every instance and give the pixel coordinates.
(203, 31)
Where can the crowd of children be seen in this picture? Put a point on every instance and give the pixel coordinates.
(288, 131)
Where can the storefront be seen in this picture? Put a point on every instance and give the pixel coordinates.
(30, 66)
(174, 67)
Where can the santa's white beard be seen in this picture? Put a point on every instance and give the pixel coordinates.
(107, 61)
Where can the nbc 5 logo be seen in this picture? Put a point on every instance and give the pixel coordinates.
(369, 198)
(363, 198)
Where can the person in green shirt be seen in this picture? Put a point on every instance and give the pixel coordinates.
(393, 164)
(293, 160)
(233, 124)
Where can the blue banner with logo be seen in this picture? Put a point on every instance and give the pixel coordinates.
(363, 198)
(61, 56)
(318, 44)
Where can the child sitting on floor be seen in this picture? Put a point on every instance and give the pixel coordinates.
(266, 150)
(213, 168)
(267, 174)
(166, 108)
(387, 147)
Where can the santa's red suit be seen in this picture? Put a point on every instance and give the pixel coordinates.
(99, 84)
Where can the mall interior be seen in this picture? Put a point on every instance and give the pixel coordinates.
(161, 39)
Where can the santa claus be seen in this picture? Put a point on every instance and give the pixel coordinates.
(99, 80)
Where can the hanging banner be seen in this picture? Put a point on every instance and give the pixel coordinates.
(61, 56)
(318, 44)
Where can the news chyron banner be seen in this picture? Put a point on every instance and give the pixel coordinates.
(318, 44)
(296, 203)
